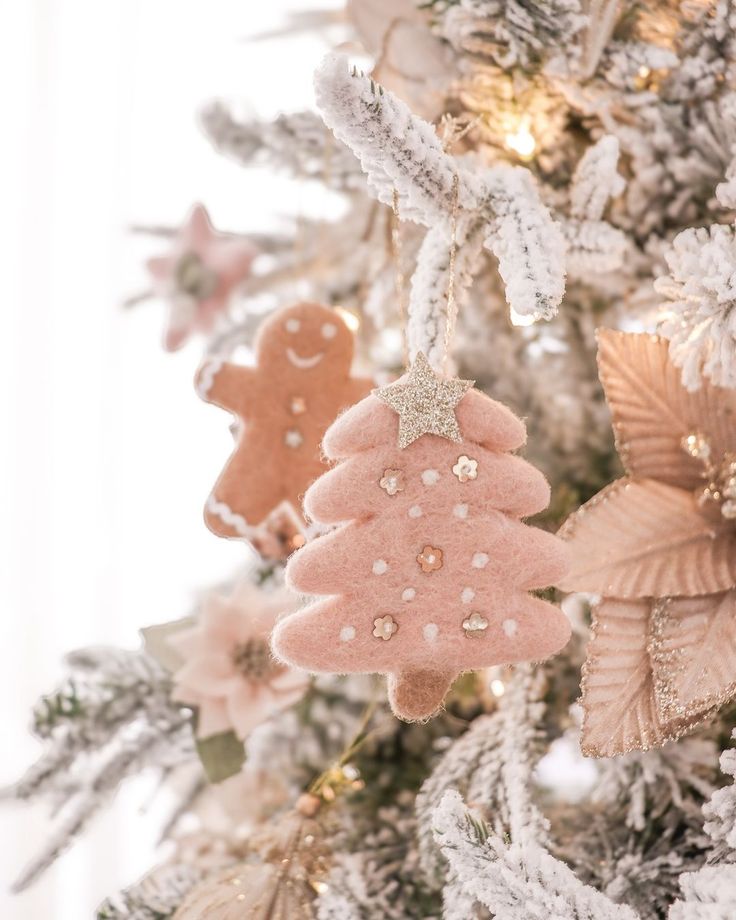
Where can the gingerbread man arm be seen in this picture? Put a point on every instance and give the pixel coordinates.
(229, 386)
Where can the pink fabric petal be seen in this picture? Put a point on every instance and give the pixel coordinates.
(224, 623)
(210, 675)
(290, 684)
(212, 718)
(249, 705)
(188, 642)
(197, 232)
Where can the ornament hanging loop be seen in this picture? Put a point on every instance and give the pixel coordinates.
(399, 276)
(450, 294)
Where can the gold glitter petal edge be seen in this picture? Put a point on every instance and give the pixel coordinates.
(620, 713)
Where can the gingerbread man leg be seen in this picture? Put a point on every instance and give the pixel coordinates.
(242, 498)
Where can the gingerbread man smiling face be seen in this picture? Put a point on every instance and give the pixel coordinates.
(284, 404)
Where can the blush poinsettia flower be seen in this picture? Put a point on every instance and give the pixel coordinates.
(659, 546)
(668, 527)
(228, 673)
(198, 276)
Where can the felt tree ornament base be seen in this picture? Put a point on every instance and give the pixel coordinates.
(284, 405)
(428, 575)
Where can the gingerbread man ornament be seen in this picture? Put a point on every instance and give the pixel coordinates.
(284, 405)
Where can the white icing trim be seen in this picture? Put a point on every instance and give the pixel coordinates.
(228, 516)
(207, 376)
(304, 364)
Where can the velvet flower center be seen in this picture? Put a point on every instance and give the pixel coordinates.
(253, 659)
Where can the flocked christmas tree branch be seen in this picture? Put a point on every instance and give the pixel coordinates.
(515, 882)
(403, 158)
(113, 717)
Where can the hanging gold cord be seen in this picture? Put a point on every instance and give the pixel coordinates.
(399, 276)
(450, 295)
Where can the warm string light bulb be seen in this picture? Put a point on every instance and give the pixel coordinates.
(522, 140)
(351, 320)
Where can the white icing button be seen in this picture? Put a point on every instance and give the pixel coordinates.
(460, 511)
(510, 627)
(329, 331)
(380, 566)
(408, 594)
(430, 477)
(467, 595)
(430, 631)
(292, 325)
(293, 438)
(347, 633)
(415, 511)
(480, 560)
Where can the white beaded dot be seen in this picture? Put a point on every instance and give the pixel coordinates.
(510, 627)
(292, 325)
(430, 477)
(431, 631)
(380, 567)
(347, 633)
(467, 595)
(415, 511)
(480, 560)
(460, 511)
(408, 594)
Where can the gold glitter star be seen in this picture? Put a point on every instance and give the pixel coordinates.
(425, 403)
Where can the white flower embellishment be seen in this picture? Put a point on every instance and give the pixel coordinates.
(475, 624)
(466, 468)
(384, 627)
(392, 481)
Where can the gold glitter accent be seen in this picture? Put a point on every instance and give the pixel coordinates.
(669, 663)
(719, 495)
(430, 559)
(298, 405)
(697, 446)
(465, 468)
(384, 627)
(475, 625)
(392, 481)
(425, 403)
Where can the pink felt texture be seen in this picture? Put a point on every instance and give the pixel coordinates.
(264, 470)
(366, 425)
(368, 567)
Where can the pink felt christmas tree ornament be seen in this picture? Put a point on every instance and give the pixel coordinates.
(429, 573)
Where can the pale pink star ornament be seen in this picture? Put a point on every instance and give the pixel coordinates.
(198, 276)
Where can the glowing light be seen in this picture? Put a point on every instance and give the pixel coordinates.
(351, 320)
(320, 887)
(522, 319)
(522, 140)
(497, 687)
(644, 72)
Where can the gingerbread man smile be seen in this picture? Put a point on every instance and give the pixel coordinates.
(304, 364)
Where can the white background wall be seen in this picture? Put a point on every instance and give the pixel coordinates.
(106, 455)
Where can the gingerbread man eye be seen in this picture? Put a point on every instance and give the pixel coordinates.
(292, 325)
(329, 331)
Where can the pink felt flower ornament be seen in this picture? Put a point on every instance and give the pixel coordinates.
(198, 276)
(228, 672)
